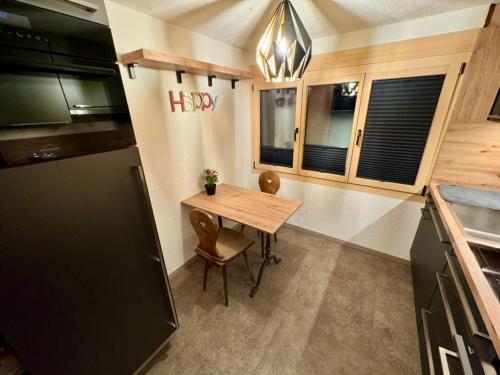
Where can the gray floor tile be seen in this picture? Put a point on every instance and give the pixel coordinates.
(325, 309)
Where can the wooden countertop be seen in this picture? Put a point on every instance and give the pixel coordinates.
(484, 295)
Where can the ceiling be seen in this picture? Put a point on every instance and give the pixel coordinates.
(242, 22)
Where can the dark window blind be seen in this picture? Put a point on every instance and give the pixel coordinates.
(326, 159)
(276, 156)
(398, 122)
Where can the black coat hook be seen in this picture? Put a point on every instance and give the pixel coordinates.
(210, 77)
(179, 74)
(131, 70)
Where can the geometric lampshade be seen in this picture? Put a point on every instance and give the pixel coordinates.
(284, 51)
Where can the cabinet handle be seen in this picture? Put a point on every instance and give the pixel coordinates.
(442, 237)
(145, 194)
(444, 361)
(446, 303)
(428, 348)
(82, 105)
(295, 132)
(463, 299)
(462, 351)
(462, 354)
(489, 271)
(358, 137)
(85, 5)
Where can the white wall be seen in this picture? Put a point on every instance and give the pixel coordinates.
(463, 19)
(175, 147)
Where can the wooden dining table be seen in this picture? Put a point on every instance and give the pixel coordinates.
(262, 211)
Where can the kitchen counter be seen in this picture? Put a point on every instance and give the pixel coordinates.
(484, 295)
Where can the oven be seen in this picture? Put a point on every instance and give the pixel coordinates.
(61, 93)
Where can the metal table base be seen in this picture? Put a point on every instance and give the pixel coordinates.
(268, 257)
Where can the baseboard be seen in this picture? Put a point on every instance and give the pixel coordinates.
(350, 244)
(308, 231)
(183, 266)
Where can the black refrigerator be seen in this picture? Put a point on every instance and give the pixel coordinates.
(83, 283)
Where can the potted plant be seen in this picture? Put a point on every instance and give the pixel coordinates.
(211, 177)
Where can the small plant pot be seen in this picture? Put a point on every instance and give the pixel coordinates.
(210, 189)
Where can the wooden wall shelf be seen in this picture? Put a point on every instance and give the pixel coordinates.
(159, 60)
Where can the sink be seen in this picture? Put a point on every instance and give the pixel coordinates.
(489, 260)
(478, 222)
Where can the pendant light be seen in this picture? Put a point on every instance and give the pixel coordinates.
(284, 50)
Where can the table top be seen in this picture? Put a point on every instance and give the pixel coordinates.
(263, 211)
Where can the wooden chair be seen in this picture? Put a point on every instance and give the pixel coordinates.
(269, 182)
(218, 246)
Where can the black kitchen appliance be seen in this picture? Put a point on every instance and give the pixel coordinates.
(61, 94)
(83, 284)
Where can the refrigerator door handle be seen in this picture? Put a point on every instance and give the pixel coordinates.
(159, 258)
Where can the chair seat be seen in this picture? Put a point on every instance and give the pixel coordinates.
(229, 244)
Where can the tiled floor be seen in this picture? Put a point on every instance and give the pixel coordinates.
(325, 309)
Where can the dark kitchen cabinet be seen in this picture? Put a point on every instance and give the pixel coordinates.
(96, 15)
(435, 332)
(445, 348)
(451, 333)
(83, 286)
(427, 257)
(469, 321)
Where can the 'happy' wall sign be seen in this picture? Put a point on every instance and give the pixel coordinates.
(195, 101)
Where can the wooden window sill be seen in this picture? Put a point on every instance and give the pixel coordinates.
(345, 185)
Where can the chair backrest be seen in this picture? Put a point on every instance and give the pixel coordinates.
(269, 182)
(206, 230)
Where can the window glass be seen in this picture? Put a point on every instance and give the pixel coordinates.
(329, 122)
(277, 126)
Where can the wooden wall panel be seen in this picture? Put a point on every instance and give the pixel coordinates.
(470, 153)
(444, 44)
(482, 77)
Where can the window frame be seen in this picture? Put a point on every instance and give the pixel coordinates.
(431, 149)
(329, 79)
(450, 65)
(263, 86)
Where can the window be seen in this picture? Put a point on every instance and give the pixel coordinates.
(278, 109)
(329, 120)
(399, 126)
(277, 126)
(377, 129)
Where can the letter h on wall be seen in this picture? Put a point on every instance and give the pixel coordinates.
(173, 102)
